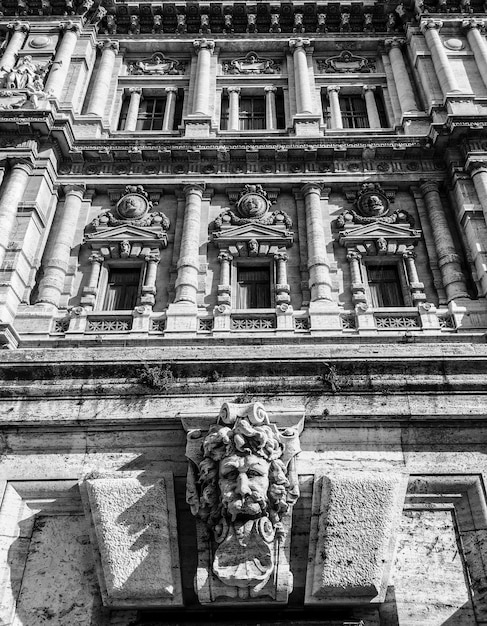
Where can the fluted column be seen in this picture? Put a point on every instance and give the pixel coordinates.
(318, 265)
(336, 121)
(448, 259)
(59, 245)
(201, 101)
(371, 105)
(270, 107)
(103, 78)
(170, 110)
(17, 38)
(304, 100)
(149, 287)
(188, 264)
(133, 110)
(60, 67)
(475, 34)
(12, 194)
(402, 82)
(233, 108)
(446, 77)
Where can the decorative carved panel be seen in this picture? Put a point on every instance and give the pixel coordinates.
(345, 62)
(242, 485)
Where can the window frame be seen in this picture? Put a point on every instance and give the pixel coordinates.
(103, 282)
(255, 262)
(403, 284)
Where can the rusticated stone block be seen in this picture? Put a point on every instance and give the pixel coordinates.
(353, 530)
(134, 537)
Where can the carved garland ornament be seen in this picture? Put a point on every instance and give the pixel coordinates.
(253, 207)
(132, 208)
(242, 485)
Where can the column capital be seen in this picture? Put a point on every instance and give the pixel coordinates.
(315, 187)
(431, 24)
(198, 188)
(476, 167)
(96, 257)
(409, 254)
(135, 90)
(299, 42)
(21, 164)
(19, 26)
(366, 88)
(428, 186)
(233, 89)
(394, 42)
(330, 88)
(70, 26)
(225, 257)
(270, 88)
(108, 44)
(281, 256)
(204, 44)
(153, 257)
(474, 23)
(171, 89)
(353, 255)
(74, 190)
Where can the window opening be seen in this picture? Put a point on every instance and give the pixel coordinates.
(384, 286)
(122, 289)
(253, 287)
(354, 112)
(252, 113)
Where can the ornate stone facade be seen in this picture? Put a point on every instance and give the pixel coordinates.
(243, 313)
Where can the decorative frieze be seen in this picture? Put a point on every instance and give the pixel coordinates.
(242, 485)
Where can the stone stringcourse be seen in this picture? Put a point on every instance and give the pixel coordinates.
(241, 487)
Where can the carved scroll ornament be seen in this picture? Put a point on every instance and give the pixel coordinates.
(242, 485)
(251, 64)
(346, 62)
(157, 64)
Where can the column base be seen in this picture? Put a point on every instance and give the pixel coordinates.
(181, 317)
(306, 125)
(198, 126)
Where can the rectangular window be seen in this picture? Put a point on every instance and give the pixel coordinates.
(384, 286)
(151, 114)
(252, 113)
(253, 287)
(354, 112)
(122, 289)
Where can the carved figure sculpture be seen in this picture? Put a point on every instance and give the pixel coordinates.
(242, 485)
(26, 75)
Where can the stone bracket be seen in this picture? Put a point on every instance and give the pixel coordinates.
(354, 522)
(134, 537)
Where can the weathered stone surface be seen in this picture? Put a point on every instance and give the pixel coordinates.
(355, 515)
(135, 541)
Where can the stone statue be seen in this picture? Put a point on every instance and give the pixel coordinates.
(26, 75)
(243, 489)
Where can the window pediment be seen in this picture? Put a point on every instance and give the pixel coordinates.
(134, 234)
(379, 238)
(261, 233)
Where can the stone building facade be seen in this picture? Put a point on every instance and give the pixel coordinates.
(243, 311)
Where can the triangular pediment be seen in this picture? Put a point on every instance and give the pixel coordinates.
(127, 232)
(259, 232)
(379, 230)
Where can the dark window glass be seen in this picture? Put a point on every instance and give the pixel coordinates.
(252, 113)
(253, 287)
(122, 289)
(354, 112)
(224, 113)
(384, 286)
(151, 114)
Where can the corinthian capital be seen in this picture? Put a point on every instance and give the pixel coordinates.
(299, 42)
(108, 44)
(473, 23)
(204, 44)
(19, 26)
(394, 42)
(431, 25)
(69, 26)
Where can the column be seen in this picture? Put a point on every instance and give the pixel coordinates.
(475, 34)
(282, 287)
(371, 105)
(149, 288)
(402, 82)
(60, 67)
(201, 98)
(358, 287)
(233, 108)
(224, 288)
(103, 78)
(304, 101)
(11, 196)
(478, 172)
(448, 259)
(59, 245)
(318, 265)
(439, 56)
(188, 264)
(270, 107)
(170, 110)
(416, 287)
(89, 292)
(133, 110)
(15, 43)
(336, 121)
